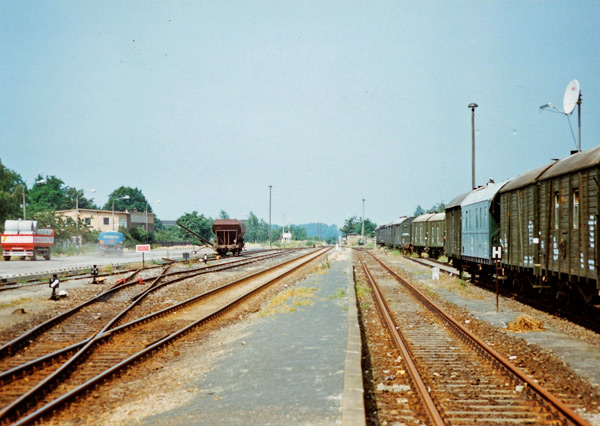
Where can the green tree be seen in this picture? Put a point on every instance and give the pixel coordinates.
(200, 224)
(47, 195)
(299, 233)
(75, 197)
(369, 227)
(438, 208)
(253, 229)
(223, 215)
(419, 211)
(126, 198)
(11, 195)
(170, 233)
(353, 225)
(350, 225)
(141, 236)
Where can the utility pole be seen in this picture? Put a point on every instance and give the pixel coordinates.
(270, 186)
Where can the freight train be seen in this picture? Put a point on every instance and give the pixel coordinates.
(541, 228)
(230, 236)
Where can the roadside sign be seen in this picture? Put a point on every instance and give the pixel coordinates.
(142, 248)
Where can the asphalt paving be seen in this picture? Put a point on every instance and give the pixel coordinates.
(299, 367)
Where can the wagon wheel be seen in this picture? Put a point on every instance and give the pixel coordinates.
(587, 293)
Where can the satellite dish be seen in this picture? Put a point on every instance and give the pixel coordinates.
(571, 96)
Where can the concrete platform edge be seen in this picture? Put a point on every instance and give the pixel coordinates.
(353, 408)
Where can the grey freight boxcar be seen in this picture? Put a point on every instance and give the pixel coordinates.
(428, 231)
(568, 218)
(519, 227)
(452, 244)
(401, 233)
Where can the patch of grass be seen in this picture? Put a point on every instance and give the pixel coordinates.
(287, 301)
(108, 268)
(15, 302)
(302, 302)
(362, 291)
(340, 293)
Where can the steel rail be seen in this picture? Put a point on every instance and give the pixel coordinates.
(73, 274)
(429, 405)
(5, 376)
(10, 347)
(558, 405)
(53, 405)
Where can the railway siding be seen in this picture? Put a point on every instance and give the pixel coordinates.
(563, 358)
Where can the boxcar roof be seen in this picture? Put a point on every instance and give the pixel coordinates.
(229, 224)
(483, 193)
(399, 220)
(423, 218)
(577, 161)
(455, 202)
(526, 178)
(437, 217)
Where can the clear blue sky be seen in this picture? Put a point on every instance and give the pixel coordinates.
(204, 104)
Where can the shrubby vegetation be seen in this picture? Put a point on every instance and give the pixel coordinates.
(436, 208)
(353, 225)
(50, 194)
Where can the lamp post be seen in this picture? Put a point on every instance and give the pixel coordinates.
(126, 197)
(270, 187)
(362, 238)
(473, 106)
(24, 205)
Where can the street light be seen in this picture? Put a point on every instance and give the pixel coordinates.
(473, 106)
(126, 197)
(24, 205)
(270, 186)
(362, 238)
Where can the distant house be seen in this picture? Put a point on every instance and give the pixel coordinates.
(286, 237)
(107, 220)
(353, 239)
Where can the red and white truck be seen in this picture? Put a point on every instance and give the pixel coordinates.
(22, 238)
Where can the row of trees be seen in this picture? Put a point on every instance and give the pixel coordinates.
(257, 230)
(50, 194)
(436, 208)
(353, 225)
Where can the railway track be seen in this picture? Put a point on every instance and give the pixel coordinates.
(587, 317)
(113, 347)
(434, 263)
(85, 273)
(459, 379)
